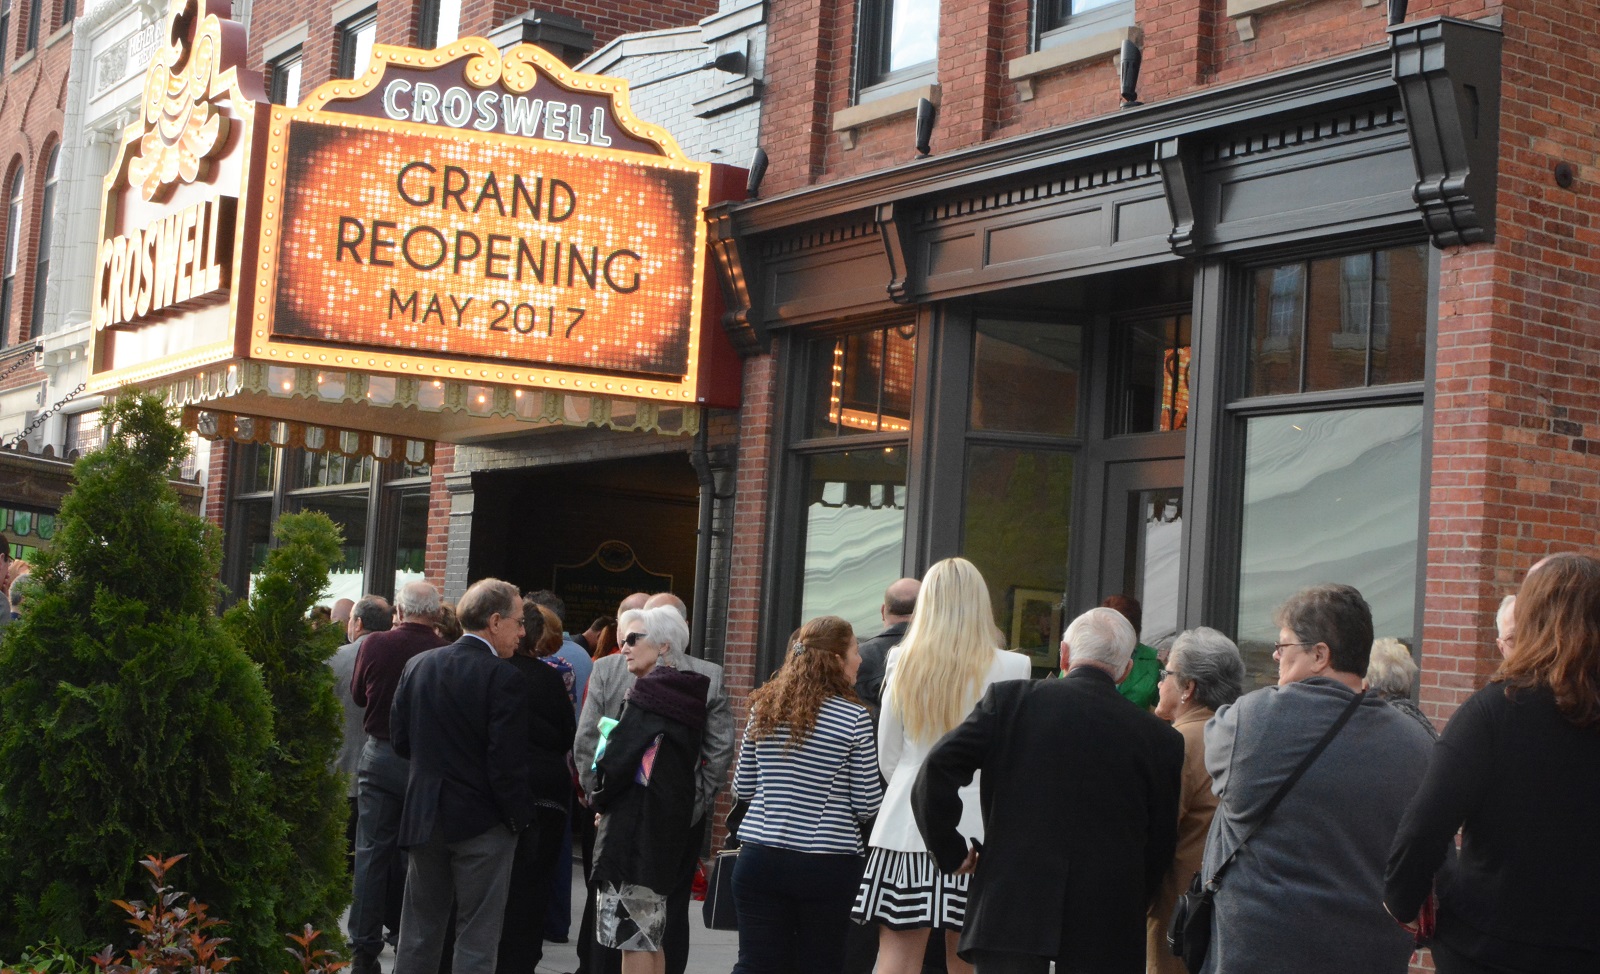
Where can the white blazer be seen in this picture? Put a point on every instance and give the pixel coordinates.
(900, 758)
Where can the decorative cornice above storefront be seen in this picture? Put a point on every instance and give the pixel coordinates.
(391, 416)
(1376, 142)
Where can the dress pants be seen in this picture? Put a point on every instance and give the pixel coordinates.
(380, 871)
(528, 899)
(604, 960)
(793, 905)
(475, 875)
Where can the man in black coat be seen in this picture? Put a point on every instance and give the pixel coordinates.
(1080, 811)
(899, 601)
(458, 716)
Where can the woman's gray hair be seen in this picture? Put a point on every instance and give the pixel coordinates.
(1211, 661)
(1391, 669)
(661, 624)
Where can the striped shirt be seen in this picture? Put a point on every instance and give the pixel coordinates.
(811, 798)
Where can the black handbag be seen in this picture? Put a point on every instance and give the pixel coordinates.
(1189, 930)
(718, 911)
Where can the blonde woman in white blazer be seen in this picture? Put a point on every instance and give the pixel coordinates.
(934, 677)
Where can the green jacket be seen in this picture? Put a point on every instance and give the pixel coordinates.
(1142, 684)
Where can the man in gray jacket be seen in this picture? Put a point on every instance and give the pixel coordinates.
(1306, 893)
(609, 683)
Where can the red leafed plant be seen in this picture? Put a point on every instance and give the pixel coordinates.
(172, 936)
(175, 936)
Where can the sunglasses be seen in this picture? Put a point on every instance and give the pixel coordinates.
(632, 639)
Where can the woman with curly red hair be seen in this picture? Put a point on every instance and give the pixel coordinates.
(808, 766)
(1517, 771)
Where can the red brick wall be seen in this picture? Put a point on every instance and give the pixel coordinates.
(749, 548)
(1189, 45)
(1516, 459)
(398, 23)
(30, 126)
(433, 565)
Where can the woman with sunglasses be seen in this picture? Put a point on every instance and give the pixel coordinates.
(808, 766)
(1204, 672)
(645, 781)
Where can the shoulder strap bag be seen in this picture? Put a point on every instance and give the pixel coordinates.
(1189, 932)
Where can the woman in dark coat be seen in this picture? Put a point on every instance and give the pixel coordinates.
(645, 790)
(1518, 773)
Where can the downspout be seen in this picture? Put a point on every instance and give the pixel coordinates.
(702, 552)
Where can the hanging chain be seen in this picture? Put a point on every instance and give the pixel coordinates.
(39, 419)
(19, 363)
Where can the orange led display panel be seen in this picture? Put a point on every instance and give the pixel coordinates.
(412, 224)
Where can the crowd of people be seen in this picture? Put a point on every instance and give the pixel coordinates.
(916, 802)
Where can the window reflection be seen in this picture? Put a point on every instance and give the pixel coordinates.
(855, 534)
(1016, 528)
(1329, 497)
(1360, 319)
(1152, 384)
(1026, 376)
(913, 33)
(863, 382)
(411, 542)
(349, 513)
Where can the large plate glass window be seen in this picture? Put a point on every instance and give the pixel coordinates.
(1333, 464)
(1022, 439)
(853, 458)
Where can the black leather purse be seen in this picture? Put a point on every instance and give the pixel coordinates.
(1189, 931)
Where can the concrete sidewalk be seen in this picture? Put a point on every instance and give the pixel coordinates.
(710, 951)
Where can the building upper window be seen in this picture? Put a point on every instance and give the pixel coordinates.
(1339, 322)
(1058, 20)
(35, 9)
(8, 284)
(356, 37)
(440, 22)
(285, 85)
(69, 11)
(41, 259)
(899, 39)
(5, 31)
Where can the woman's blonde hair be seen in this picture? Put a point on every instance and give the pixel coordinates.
(812, 671)
(946, 652)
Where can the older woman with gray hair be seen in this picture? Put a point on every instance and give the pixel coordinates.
(1389, 675)
(1204, 671)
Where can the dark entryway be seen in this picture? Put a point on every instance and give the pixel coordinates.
(593, 532)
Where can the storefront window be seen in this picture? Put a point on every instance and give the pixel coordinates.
(1017, 522)
(1339, 322)
(862, 382)
(855, 533)
(1151, 381)
(349, 513)
(1026, 377)
(412, 541)
(1329, 496)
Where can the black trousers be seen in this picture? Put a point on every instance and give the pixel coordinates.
(594, 958)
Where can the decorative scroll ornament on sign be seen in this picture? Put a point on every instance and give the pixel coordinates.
(183, 126)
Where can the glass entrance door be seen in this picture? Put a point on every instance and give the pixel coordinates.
(1142, 541)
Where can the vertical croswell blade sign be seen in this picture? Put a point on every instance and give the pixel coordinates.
(468, 214)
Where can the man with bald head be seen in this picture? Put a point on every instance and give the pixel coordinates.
(899, 601)
(609, 684)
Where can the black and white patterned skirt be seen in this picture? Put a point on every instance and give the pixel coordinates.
(907, 891)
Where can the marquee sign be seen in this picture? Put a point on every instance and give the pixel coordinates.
(171, 229)
(466, 214)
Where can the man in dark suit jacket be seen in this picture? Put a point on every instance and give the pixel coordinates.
(1080, 812)
(458, 717)
(899, 601)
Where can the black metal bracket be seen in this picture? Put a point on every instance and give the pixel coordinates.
(740, 321)
(1177, 177)
(891, 228)
(1448, 73)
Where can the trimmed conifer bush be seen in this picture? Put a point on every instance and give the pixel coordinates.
(292, 653)
(129, 718)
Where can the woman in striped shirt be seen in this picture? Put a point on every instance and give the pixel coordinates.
(808, 768)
